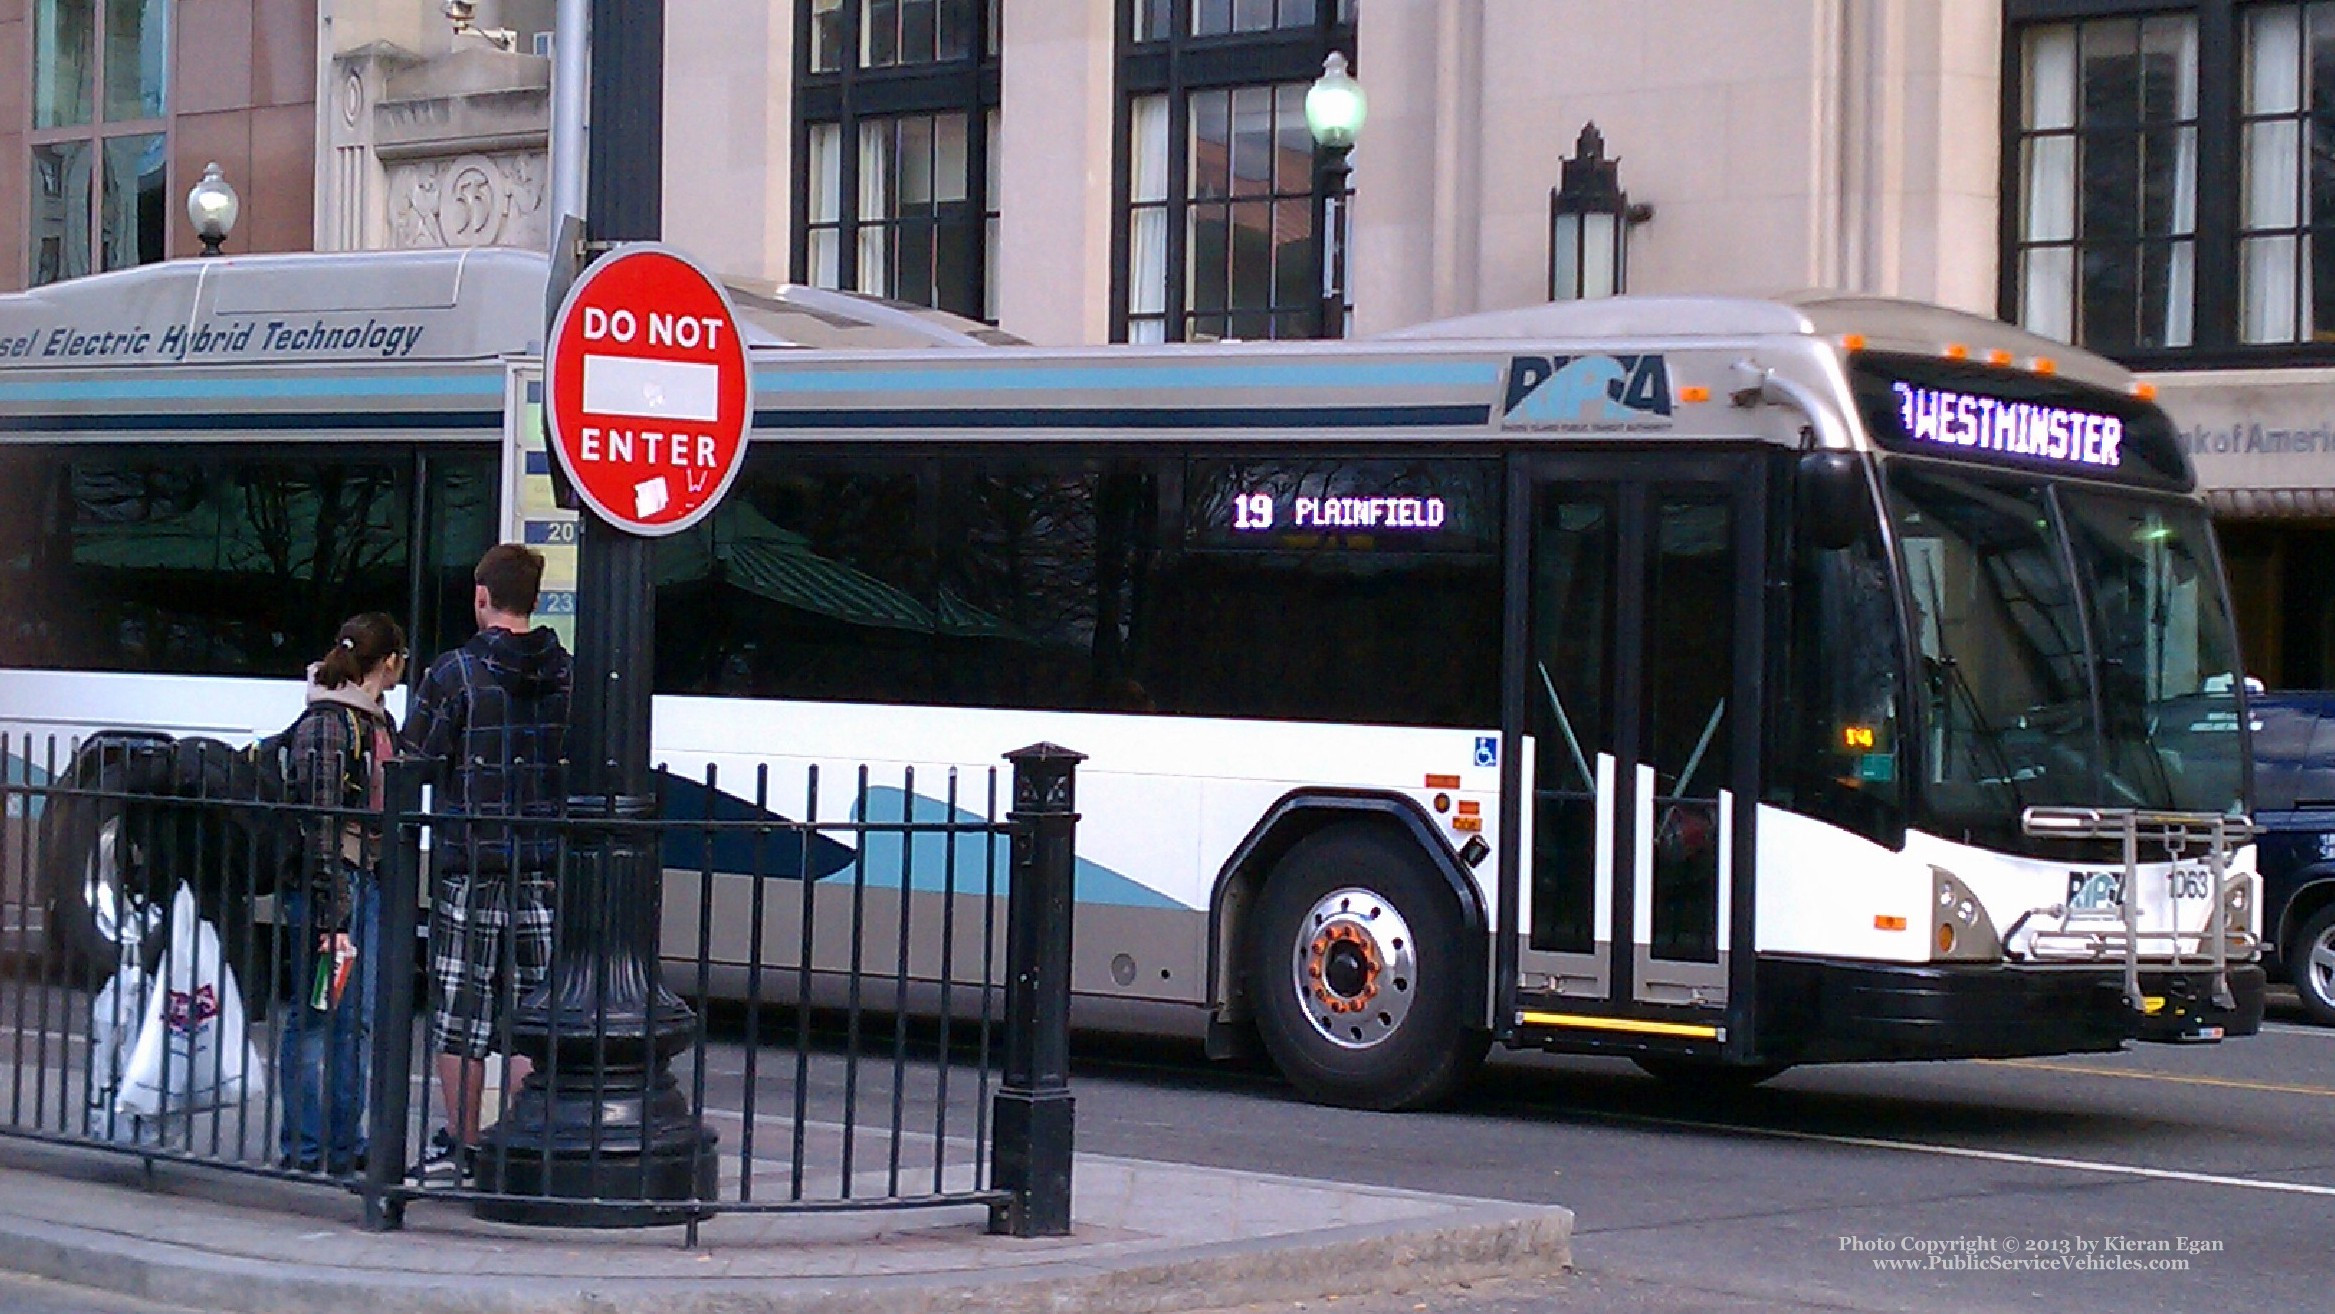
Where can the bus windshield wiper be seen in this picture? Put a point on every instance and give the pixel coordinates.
(1958, 683)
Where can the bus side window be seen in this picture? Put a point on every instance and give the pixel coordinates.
(1849, 765)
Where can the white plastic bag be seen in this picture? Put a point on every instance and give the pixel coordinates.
(193, 1052)
(113, 1026)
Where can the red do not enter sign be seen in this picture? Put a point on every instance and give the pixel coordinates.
(646, 390)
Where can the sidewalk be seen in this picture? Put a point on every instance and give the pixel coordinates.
(1149, 1238)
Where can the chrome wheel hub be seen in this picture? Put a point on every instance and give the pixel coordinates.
(1355, 968)
(2319, 968)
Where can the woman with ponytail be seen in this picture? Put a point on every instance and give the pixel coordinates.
(336, 755)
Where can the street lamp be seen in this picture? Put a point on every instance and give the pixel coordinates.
(1334, 110)
(212, 206)
(1589, 223)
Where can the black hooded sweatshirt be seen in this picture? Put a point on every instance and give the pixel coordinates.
(492, 716)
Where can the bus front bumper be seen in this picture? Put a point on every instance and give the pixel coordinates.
(1813, 1010)
(2182, 1011)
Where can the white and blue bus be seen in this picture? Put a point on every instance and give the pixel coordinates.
(1658, 677)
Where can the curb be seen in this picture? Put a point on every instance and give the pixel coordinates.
(1473, 1244)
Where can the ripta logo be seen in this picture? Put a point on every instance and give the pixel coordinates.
(1587, 392)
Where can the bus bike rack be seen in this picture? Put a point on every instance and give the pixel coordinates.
(2179, 833)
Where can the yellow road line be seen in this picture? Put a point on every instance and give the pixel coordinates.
(2273, 1087)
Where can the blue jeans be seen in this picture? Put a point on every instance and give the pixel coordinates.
(323, 1055)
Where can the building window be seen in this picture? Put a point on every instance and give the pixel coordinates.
(2107, 155)
(895, 119)
(99, 145)
(2172, 170)
(2286, 248)
(1217, 205)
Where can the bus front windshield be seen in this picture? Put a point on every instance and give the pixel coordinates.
(2073, 646)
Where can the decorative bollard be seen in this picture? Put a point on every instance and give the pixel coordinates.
(1033, 1109)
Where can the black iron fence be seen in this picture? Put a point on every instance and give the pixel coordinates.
(718, 1000)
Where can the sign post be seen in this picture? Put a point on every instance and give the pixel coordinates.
(600, 1118)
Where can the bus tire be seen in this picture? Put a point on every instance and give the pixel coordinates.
(1359, 974)
(2310, 961)
(1704, 1075)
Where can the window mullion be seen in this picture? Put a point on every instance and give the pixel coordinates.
(1179, 174)
(2219, 145)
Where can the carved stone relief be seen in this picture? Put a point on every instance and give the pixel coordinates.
(468, 200)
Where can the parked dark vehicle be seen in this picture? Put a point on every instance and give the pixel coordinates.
(2294, 803)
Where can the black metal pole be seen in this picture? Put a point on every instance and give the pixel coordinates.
(1329, 215)
(389, 1098)
(1033, 1107)
(601, 1117)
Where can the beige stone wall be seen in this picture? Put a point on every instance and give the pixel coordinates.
(1055, 214)
(1783, 144)
(729, 133)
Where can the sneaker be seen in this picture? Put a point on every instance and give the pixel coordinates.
(446, 1164)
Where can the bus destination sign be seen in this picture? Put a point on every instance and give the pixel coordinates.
(1262, 512)
(1345, 504)
(1941, 417)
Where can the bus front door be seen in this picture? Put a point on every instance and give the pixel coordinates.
(1632, 719)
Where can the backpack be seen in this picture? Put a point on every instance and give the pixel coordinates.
(262, 773)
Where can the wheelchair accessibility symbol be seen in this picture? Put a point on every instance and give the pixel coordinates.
(1487, 750)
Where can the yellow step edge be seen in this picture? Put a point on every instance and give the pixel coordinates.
(1587, 1022)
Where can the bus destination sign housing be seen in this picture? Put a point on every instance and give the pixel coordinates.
(2058, 434)
(2016, 419)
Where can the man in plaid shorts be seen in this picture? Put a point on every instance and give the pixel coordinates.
(492, 715)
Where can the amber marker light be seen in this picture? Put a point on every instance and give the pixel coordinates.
(2145, 390)
(1852, 341)
(1957, 351)
(1885, 922)
(2046, 365)
(1694, 392)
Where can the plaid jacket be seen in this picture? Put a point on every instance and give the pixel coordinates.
(493, 716)
(330, 763)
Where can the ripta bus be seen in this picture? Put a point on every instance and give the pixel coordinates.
(1688, 679)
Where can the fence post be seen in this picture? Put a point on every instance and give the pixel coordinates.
(388, 1100)
(1033, 1109)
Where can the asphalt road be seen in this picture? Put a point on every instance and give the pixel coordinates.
(2161, 1179)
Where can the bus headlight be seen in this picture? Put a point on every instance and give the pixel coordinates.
(2237, 902)
(1960, 930)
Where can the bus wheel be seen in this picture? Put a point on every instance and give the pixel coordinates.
(2310, 960)
(1703, 1075)
(1359, 975)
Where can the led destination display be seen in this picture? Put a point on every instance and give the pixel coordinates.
(1336, 503)
(1257, 512)
(2040, 423)
(2013, 428)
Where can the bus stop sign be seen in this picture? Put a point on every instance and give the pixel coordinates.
(646, 390)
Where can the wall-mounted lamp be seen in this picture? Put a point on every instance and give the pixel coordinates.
(1590, 218)
(212, 205)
